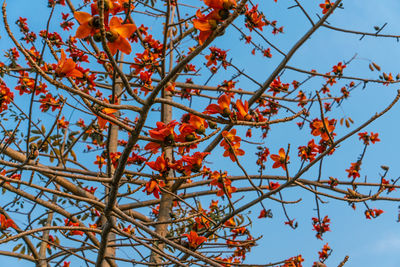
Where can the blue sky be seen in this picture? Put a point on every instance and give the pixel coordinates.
(367, 242)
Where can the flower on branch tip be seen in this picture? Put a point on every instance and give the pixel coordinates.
(231, 144)
(308, 152)
(354, 170)
(222, 108)
(243, 110)
(153, 187)
(164, 133)
(118, 34)
(66, 67)
(338, 69)
(73, 232)
(223, 183)
(325, 6)
(206, 24)
(373, 137)
(88, 24)
(324, 253)
(373, 213)
(318, 128)
(280, 160)
(265, 214)
(161, 164)
(6, 223)
(102, 122)
(321, 226)
(194, 239)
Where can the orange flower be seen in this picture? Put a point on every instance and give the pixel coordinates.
(194, 162)
(164, 133)
(117, 35)
(233, 148)
(129, 230)
(308, 152)
(206, 24)
(366, 138)
(100, 161)
(223, 183)
(325, 6)
(5, 223)
(194, 239)
(354, 170)
(161, 164)
(153, 187)
(318, 129)
(222, 108)
(280, 160)
(198, 123)
(243, 110)
(89, 24)
(102, 122)
(232, 151)
(231, 137)
(62, 123)
(220, 4)
(66, 67)
(73, 232)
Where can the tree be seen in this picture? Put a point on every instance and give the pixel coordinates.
(125, 144)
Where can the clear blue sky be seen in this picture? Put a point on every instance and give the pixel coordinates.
(367, 242)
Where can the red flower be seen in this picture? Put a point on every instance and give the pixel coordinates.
(164, 133)
(338, 69)
(62, 123)
(233, 148)
(323, 255)
(273, 185)
(73, 232)
(321, 227)
(354, 170)
(66, 67)
(6, 223)
(222, 108)
(194, 239)
(194, 162)
(254, 19)
(318, 129)
(117, 35)
(277, 86)
(206, 24)
(308, 152)
(280, 160)
(373, 213)
(243, 110)
(153, 187)
(325, 6)
(161, 164)
(366, 138)
(265, 214)
(223, 183)
(89, 25)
